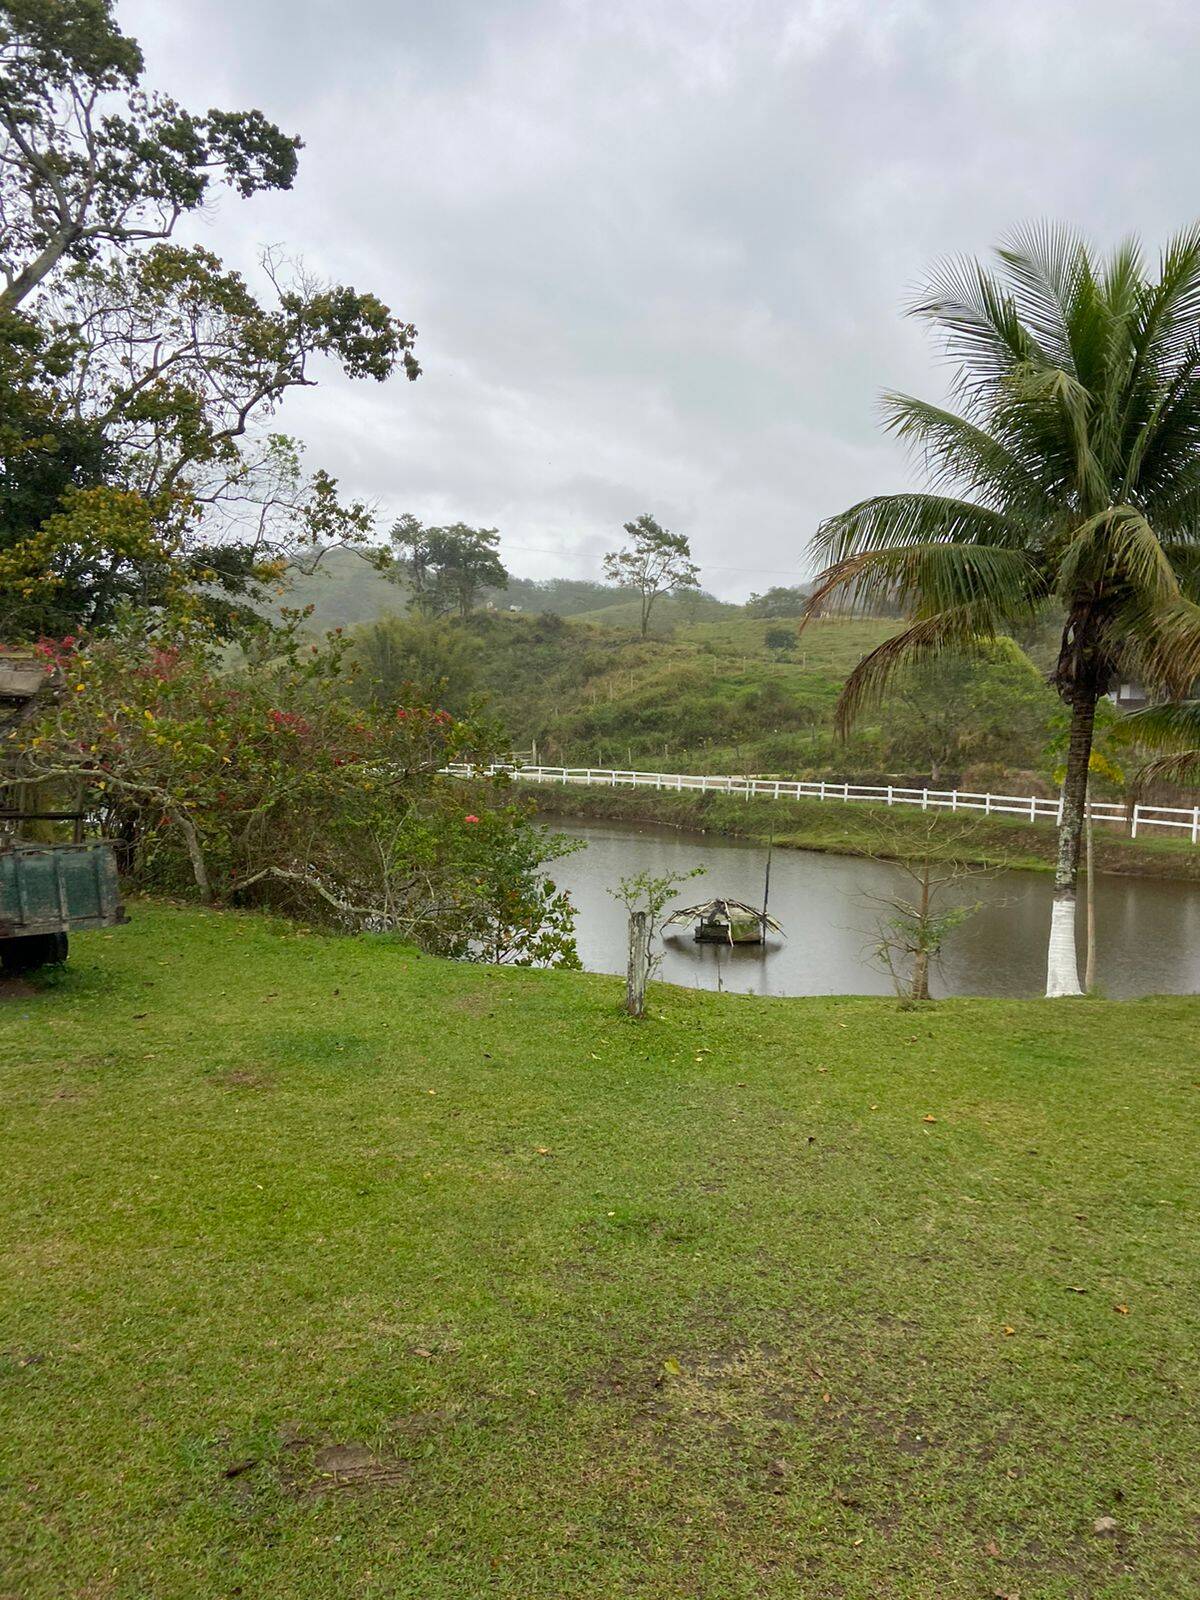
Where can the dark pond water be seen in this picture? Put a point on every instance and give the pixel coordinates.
(1148, 932)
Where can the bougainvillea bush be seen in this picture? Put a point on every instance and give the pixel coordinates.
(257, 781)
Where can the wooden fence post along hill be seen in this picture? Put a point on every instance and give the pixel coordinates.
(1028, 808)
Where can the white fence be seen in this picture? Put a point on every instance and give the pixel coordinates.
(1027, 808)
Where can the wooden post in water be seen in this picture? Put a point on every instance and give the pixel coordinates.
(639, 963)
(767, 881)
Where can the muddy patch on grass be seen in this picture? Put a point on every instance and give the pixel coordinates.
(17, 989)
(473, 1005)
(349, 1469)
(245, 1078)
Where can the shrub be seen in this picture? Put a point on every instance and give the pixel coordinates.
(265, 784)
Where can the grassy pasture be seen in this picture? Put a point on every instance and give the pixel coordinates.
(335, 1270)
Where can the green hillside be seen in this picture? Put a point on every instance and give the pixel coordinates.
(738, 694)
(346, 590)
(668, 613)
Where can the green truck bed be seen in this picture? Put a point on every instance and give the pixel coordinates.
(50, 890)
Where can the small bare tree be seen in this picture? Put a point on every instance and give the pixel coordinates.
(645, 896)
(914, 923)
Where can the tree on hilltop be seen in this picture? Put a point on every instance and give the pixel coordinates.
(654, 562)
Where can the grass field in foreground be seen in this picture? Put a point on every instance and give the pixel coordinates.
(331, 1270)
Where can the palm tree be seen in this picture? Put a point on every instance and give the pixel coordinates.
(1173, 730)
(1069, 475)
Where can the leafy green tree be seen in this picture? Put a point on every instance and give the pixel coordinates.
(959, 709)
(780, 639)
(654, 562)
(1070, 472)
(132, 364)
(778, 601)
(89, 159)
(447, 568)
(419, 657)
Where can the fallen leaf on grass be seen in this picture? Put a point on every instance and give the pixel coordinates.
(928, 1118)
(1008, 1332)
(1121, 1310)
(1075, 1288)
(672, 1367)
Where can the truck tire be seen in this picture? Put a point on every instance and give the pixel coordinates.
(33, 951)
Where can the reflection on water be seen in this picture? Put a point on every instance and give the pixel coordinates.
(1148, 931)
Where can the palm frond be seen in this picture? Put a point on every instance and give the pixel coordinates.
(895, 520)
(1048, 263)
(957, 453)
(1169, 323)
(1119, 547)
(981, 331)
(1057, 388)
(1161, 643)
(946, 632)
(1173, 727)
(996, 585)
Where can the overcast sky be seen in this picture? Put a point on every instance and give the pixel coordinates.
(657, 250)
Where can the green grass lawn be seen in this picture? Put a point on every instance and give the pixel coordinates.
(332, 1270)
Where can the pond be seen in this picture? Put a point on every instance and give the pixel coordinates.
(1148, 931)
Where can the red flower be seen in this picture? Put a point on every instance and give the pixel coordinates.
(471, 818)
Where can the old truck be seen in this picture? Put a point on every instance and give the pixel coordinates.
(49, 886)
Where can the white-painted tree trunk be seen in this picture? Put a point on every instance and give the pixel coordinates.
(1062, 966)
(1062, 963)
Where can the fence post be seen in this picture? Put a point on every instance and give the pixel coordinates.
(1196, 824)
(889, 794)
(987, 805)
(1033, 808)
(1132, 831)
(924, 799)
(954, 799)
(845, 791)
(821, 796)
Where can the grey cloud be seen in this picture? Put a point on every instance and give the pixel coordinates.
(658, 252)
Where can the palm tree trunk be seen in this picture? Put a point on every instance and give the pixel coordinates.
(1062, 962)
(1089, 976)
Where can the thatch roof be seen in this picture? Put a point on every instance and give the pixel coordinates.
(734, 909)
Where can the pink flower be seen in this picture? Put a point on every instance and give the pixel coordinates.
(471, 819)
